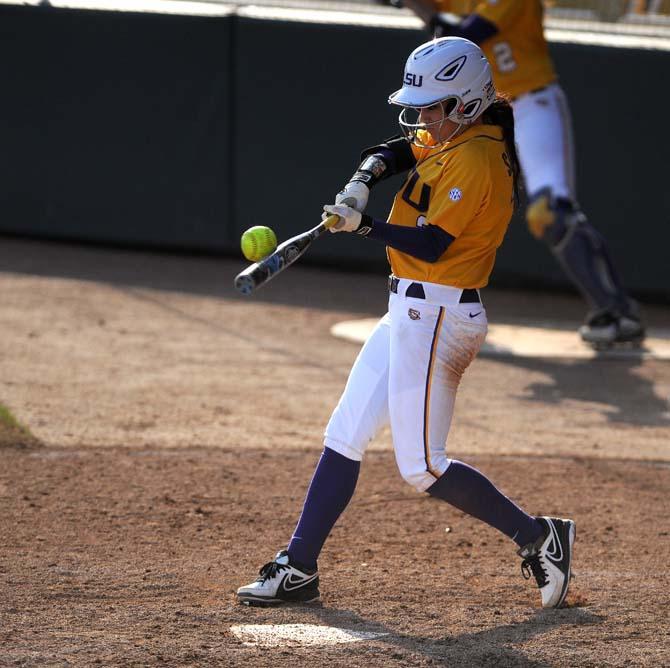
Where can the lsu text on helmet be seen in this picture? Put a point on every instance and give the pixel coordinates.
(448, 69)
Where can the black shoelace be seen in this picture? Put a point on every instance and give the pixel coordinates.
(270, 570)
(534, 564)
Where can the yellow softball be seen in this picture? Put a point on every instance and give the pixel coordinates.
(258, 242)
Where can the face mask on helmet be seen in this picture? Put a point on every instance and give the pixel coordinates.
(431, 119)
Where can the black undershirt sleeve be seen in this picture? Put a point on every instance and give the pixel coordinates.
(427, 243)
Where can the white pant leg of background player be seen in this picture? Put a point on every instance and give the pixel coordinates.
(428, 357)
(543, 132)
(363, 408)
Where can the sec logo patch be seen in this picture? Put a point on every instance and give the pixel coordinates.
(455, 194)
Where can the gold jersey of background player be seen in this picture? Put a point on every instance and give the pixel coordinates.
(518, 54)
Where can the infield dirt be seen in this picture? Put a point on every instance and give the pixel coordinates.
(180, 425)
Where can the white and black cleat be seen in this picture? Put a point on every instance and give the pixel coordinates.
(548, 559)
(279, 582)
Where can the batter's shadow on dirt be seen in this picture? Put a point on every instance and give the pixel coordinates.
(489, 647)
(626, 396)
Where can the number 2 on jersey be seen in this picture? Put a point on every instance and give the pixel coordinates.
(502, 52)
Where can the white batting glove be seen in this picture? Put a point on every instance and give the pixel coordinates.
(355, 194)
(350, 219)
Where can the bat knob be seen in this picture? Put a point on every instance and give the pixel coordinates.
(244, 284)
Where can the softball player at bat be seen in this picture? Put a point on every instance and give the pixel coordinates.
(511, 35)
(442, 233)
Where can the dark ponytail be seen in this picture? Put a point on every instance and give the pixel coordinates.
(500, 113)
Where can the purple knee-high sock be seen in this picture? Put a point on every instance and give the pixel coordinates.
(470, 491)
(329, 493)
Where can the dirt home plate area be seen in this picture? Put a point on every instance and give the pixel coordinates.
(175, 429)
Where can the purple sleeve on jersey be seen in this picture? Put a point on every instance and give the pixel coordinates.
(473, 27)
(426, 243)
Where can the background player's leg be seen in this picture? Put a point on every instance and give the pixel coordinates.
(544, 139)
(584, 256)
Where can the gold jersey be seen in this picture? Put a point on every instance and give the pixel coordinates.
(466, 189)
(518, 53)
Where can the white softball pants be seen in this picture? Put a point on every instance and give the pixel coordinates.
(406, 375)
(544, 140)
